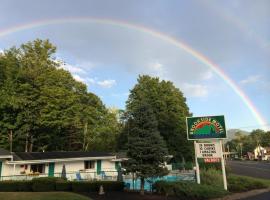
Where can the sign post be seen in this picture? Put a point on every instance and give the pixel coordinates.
(208, 128)
(197, 166)
(223, 168)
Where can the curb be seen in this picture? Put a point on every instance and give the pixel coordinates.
(241, 195)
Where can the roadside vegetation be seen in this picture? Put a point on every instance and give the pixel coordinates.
(211, 186)
(244, 143)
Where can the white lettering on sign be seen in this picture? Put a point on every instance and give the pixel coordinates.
(208, 150)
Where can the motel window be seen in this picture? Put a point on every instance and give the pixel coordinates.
(38, 168)
(89, 164)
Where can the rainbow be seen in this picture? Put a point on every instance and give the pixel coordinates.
(171, 40)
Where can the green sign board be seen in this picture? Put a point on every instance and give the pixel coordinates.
(206, 127)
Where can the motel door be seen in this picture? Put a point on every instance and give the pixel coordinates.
(51, 170)
(0, 168)
(98, 167)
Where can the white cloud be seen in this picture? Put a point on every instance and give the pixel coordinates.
(251, 79)
(156, 69)
(195, 90)
(207, 75)
(91, 80)
(73, 69)
(107, 83)
(79, 78)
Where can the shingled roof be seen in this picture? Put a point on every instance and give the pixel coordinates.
(58, 155)
(4, 152)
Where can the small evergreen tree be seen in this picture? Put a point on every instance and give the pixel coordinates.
(146, 149)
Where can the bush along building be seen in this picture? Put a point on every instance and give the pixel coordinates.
(74, 165)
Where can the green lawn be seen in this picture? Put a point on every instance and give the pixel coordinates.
(42, 196)
(265, 181)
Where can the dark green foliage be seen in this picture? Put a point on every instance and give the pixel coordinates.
(235, 183)
(84, 186)
(56, 184)
(170, 110)
(211, 176)
(189, 190)
(13, 186)
(242, 183)
(44, 184)
(63, 186)
(182, 166)
(93, 186)
(206, 166)
(44, 108)
(247, 143)
(111, 185)
(24, 186)
(146, 149)
(8, 186)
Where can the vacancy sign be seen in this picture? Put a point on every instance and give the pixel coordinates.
(208, 150)
(211, 160)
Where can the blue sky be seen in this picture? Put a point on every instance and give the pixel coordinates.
(233, 34)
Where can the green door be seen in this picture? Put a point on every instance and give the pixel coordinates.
(98, 166)
(51, 170)
(0, 169)
(117, 166)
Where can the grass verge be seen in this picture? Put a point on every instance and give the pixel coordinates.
(42, 196)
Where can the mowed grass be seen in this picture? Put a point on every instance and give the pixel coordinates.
(265, 181)
(41, 196)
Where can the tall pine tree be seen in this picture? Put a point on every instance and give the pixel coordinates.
(146, 149)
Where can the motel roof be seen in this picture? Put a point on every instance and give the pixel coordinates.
(4, 152)
(20, 156)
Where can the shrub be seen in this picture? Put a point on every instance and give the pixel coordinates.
(93, 186)
(63, 186)
(206, 166)
(83, 186)
(188, 165)
(211, 177)
(24, 186)
(13, 186)
(189, 190)
(44, 184)
(111, 185)
(8, 186)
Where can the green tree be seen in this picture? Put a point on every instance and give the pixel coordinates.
(170, 109)
(44, 108)
(146, 149)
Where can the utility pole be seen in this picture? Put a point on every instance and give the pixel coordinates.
(241, 150)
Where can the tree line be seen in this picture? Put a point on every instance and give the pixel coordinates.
(43, 108)
(244, 143)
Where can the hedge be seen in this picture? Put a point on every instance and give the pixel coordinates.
(189, 190)
(63, 186)
(93, 186)
(45, 184)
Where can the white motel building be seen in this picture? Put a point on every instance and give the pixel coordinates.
(78, 165)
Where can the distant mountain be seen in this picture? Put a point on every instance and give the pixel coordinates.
(231, 133)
